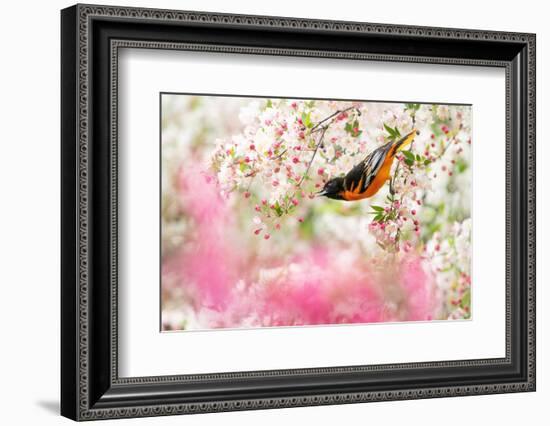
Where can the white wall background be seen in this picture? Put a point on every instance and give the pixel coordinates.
(29, 212)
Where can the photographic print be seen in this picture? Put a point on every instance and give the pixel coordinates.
(280, 212)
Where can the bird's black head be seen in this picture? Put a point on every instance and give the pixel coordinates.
(333, 189)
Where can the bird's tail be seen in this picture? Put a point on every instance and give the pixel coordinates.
(404, 141)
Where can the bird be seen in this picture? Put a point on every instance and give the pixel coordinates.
(367, 177)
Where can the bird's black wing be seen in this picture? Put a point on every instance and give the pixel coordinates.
(363, 173)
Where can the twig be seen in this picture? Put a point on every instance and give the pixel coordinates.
(319, 127)
(392, 189)
(341, 111)
(250, 183)
(319, 142)
(280, 155)
(252, 175)
(442, 153)
(413, 116)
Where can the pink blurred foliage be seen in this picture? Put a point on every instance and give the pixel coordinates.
(320, 285)
(206, 264)
(419, 288)
(318, 291)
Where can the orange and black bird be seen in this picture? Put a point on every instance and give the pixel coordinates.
(367, 177)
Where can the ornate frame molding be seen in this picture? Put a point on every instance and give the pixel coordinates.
(78, 24)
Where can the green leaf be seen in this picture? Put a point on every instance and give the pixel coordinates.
(377, 208)
(393, 133)
(389, 130)
(269, 104)
(278, 209)
(466, 299)
(427, 162)
(409, 156)
(306, 119)
(413, 107)
(461, 165)
(352, 127)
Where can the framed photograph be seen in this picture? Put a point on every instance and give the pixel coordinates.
(263, 212)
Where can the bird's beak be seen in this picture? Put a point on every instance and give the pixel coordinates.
(321, 193)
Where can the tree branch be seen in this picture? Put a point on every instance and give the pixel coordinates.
(319, 142)
(341, 111)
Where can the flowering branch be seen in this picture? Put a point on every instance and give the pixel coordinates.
(336, 114)
(272, 159)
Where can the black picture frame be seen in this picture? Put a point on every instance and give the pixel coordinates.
(90, 38)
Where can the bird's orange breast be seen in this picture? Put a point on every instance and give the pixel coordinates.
(377, 183)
